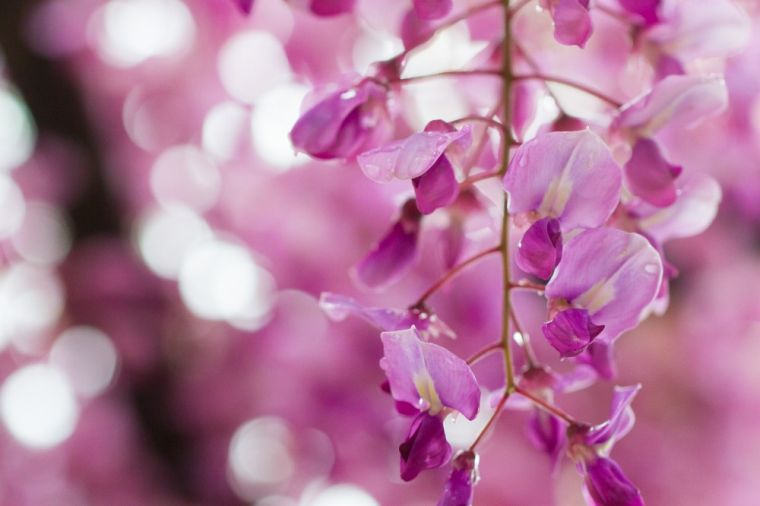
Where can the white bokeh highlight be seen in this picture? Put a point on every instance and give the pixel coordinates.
(38, 406)
(273, 117)
(184, 175)
(88, 357)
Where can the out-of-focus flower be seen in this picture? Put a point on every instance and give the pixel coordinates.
(572, 21)
(432, 9)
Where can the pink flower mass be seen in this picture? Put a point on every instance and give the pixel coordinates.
(379, 253)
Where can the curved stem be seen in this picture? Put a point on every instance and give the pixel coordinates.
(530, 356)
(478, 177)
(488, 121)
(451, 273)
(492, 420)
(475, 357)
(548, 407)
(572, 84)
(449, 73)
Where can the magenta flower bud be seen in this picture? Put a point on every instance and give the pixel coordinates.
(458, 490)
(427, 375)
(432, 9)
(608, 486)
(437, 187)
(344, 123)
(540, 248)
(572, 21)
(646, 10)
(571, 331)
(331, 7)
(425, 446)
(650, 177)
(570, 176)
(394, 254)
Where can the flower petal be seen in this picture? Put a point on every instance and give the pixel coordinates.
(540, 248)
(427, 375)
(394, 254)
(342, 124)
(679, 101)
(331, 7)
(694, 210)
(570, 176)
(245, 6)
(425, 447)
(612, 274)
(608, 486)
(408, 158)
(572, 22)
(621, 418)
(571, 331)
(437, 187)
(547, 433)
(432, 9)
(650, 177)
(458, 490)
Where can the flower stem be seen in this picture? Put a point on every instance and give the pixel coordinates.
(506, 91)
(489, 122)
(451, 273)
(492, 420)
(449, 73)
(572, 84)
(475, 357)
(548, 407)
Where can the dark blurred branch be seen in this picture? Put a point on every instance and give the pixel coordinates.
(57, 108)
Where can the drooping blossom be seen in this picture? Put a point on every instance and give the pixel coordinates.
(428, 324)
(458, 490)
(572, 21)
(425, 158)
(606, 485)
(344, 123)
(563, 181)
(432, 379)
(394, 253)
(609, 275)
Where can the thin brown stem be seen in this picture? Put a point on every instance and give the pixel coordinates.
(492, 420)
(530, 357)
(451, 273)
(548, 407)
(514, 10)
(482, 353)
(487, 121)
(573, 84)
(449, 73)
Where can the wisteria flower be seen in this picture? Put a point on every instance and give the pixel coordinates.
(607, 278)
(606, 485)
(458, 490)
(344, 123)
(432, 379)
(395, 252)
(425, 158)
(432, 9)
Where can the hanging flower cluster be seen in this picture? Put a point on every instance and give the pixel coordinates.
(587, 207)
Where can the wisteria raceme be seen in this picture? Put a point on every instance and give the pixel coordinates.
(379, 252)
(591, 229)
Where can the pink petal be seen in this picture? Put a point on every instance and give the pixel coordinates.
(679, 101)
(608, 486)
(698, 199)
(432, 9)
(650, 177)
(571, 331)
(394, 254)
(437, 187)
(540, 248)
(572, 22)
(570, 176)
(645, 9)
(427, 375)
(612, 274)
(410, 157)
(331, 7)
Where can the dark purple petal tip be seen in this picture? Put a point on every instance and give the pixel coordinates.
(540, 249)
(571, 331)
(425, 447)
(608, 486)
